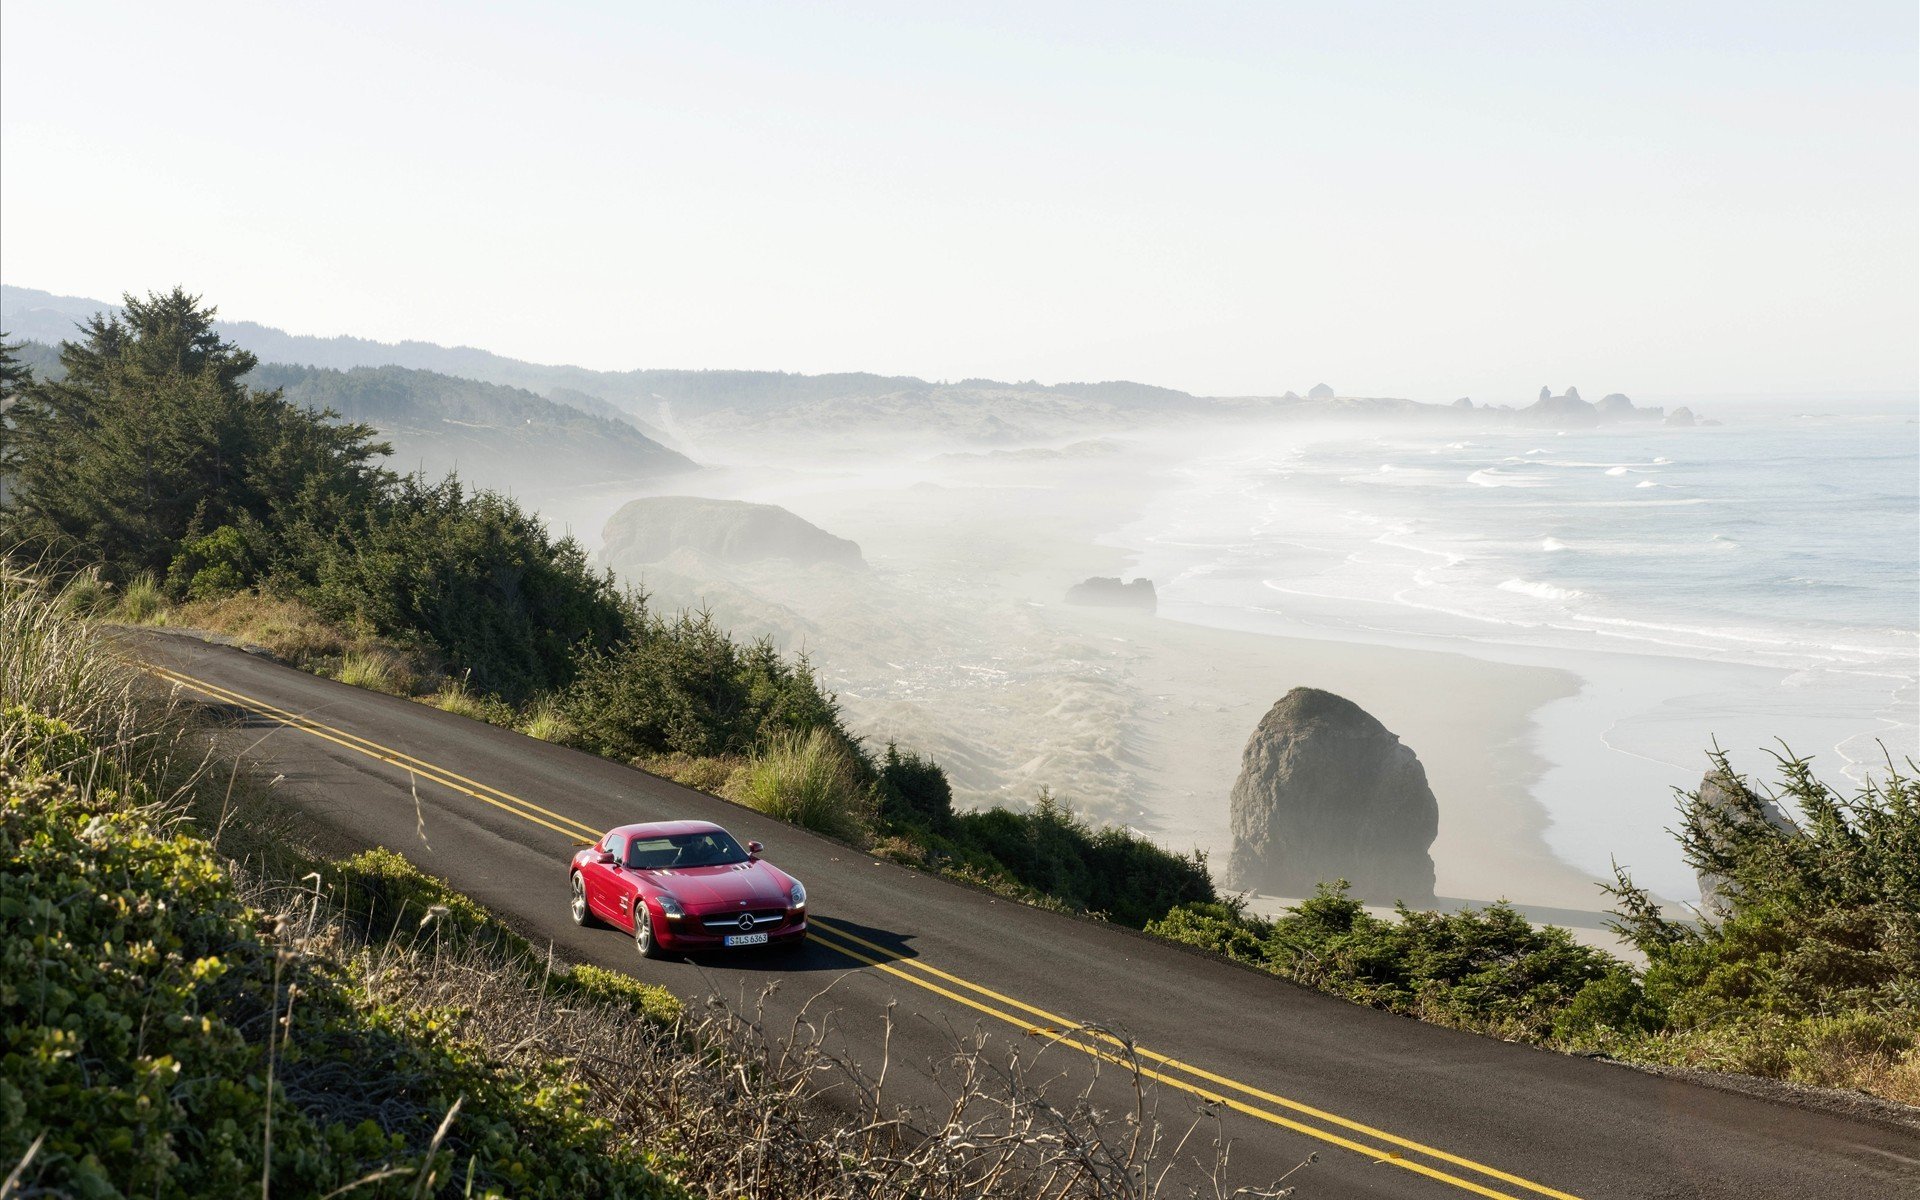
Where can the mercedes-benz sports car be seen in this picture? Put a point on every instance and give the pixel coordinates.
(686, 885)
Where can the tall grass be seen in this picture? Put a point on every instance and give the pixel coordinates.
(547, 721)
(809, 779)
(141, 600)
(58, 662)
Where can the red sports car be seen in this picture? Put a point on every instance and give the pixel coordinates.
(686, 885)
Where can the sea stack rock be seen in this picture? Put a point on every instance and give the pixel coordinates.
(1546, 394)
(1327, 792)
(1103, 592)
(651, 529)
(1680, 416)
(1733, 805)
(1320, 391)
(1463, 402)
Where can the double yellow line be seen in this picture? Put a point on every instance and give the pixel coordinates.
(1096, 1043)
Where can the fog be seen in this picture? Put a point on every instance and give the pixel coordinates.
(1399, 560)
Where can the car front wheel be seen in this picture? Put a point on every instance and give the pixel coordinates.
(643, 932)
(577, 902)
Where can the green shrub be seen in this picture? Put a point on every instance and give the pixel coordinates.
(683, 686)
(809, 779)
(1112, 872)
(649, 1001)
(914, 790)
(1810, 959)
(137, 997)
(1488, 970)
(212, 565)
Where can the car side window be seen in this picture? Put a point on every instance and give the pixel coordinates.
(616, 846)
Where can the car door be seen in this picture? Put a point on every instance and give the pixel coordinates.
(600, 881)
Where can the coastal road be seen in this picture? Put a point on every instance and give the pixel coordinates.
(1393, 1107)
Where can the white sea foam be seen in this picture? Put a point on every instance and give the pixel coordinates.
(1553, 544)
(1617, 470)
(1541, 591)
(1494, 477)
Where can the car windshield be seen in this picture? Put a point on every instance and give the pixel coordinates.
(715, 848)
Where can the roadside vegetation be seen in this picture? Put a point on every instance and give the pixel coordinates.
(166, 492)
(176, 1024)
(1805, 968)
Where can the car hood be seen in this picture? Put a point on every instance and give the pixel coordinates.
(760, 885)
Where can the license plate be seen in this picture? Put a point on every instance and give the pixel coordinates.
(747, 939)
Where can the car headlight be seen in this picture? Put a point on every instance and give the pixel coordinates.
(670, 906)
(797, 898)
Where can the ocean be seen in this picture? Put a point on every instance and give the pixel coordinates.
(1755, 584)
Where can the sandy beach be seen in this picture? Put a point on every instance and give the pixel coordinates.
(957, 642)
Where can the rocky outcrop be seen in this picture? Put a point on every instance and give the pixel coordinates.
(1102, 592)
(1568, 411)
(1463, 402)
(1546, 394)
(1320, 391)
(1731, 803)
(1327, 792)
(1680, 416)
(652, 529)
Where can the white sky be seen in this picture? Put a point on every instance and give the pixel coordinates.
(1662, 199)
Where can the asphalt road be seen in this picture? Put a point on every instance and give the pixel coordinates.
(1393, 1107)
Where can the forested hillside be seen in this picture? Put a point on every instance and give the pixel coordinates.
(496, 435)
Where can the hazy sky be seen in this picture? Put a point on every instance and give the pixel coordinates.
(1662, 199)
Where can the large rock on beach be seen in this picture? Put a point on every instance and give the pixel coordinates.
(1734, 804)
(1106, 592)
(1320, 391)
(650, 530)
(1327, 792)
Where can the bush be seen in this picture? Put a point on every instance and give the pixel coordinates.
(1808, 965)
(1488, 970)
(1112, 872)
(914, 791)
(470, 573)
(683, 686)
(150, 1027)
(809, 779)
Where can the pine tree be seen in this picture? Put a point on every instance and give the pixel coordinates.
(152, 438)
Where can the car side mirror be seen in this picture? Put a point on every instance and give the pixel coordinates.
(755, 849)
(603, 856)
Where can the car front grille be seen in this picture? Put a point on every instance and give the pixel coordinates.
(764, 920)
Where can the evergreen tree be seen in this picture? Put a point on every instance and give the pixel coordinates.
(152, 439)
(14, 375)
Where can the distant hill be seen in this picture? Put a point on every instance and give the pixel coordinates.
(499, 436)
(494, 436)
(847, 410)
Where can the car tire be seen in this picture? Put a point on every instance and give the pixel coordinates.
(643, 938)
(577, 903)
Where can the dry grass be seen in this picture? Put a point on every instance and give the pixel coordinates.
(294, 633)
(712, 775)
(728, 1102)
(462, 701)
(378, 670)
